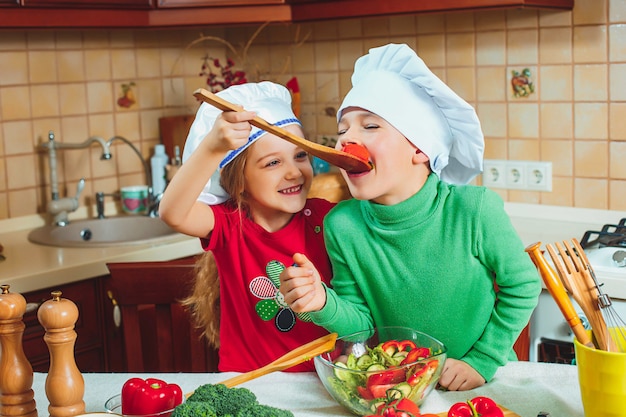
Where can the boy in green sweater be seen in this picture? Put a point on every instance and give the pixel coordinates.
(417, 247)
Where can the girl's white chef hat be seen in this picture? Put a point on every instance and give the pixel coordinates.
(394, 83)
(270, 101)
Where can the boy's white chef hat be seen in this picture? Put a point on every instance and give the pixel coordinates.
(270, 101)
(394, 83)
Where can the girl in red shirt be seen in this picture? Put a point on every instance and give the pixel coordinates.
(243, 192)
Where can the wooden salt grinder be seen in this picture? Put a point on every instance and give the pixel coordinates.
(65, 386)
(16, 373)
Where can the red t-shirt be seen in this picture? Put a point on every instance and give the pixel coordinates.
(256, 327)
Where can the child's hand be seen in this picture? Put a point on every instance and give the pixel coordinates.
(302, 287)
(459, 376)
(230, 131)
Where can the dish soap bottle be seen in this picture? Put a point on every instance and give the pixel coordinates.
(158, 162)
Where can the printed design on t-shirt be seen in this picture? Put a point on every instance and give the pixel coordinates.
(272, 304)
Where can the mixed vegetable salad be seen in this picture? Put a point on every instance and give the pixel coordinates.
(383, 374)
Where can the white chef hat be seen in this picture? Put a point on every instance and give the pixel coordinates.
(394, 83)
(271, 102)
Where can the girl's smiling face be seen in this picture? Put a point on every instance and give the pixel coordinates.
(400, 169)
(278, 177)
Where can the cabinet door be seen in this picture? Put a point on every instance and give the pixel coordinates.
(88, 347)
(79, 4)
(215, 3)
(7, 3)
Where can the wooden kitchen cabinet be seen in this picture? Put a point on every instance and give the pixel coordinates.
(181, 13)
(79, 4)
(89, 346)
(214, 3)
(308, 10)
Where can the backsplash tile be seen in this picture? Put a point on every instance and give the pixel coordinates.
(68, 81)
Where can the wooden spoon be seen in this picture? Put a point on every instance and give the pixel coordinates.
(297, 356)
(347, 161)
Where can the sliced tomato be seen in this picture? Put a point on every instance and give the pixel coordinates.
(365, 393)
(391, 376)
(380, 391)
(359, 151)
(399, 408)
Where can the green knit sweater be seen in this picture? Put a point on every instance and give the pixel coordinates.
(430, 263)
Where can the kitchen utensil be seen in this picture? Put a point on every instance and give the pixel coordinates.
(293, 358)
(616, 327)
(574, 271)
(557, 291)
(349, 162)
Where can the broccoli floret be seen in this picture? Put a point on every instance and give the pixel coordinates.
(259, 410)
(223, 400)
(194, 409)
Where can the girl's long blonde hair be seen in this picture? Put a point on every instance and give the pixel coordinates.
(204, 301)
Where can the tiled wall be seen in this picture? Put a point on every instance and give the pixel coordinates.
(69, 82)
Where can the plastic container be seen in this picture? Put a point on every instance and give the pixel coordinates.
(602, 379)
(158, 162)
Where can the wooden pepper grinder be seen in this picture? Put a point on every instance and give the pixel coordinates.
(16, 374)
(65, 386)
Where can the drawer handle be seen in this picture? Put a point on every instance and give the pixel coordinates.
(117, 314)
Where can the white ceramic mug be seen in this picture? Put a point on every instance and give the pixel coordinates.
(134, 199)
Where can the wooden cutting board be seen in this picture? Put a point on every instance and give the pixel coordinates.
(507, 413)
(174, 131)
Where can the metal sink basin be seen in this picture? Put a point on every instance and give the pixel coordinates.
(111, 231)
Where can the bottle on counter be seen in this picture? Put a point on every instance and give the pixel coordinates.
(158, 163)
(176, 163)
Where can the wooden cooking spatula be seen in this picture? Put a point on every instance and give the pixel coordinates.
(349, 162)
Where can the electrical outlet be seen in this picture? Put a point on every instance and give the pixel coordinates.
(539, 176)
(516, 175)
(494, 173)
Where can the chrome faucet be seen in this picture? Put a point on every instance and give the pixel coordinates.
(153, 200)
(61, 207)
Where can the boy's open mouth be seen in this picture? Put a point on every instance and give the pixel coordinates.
(291, 190)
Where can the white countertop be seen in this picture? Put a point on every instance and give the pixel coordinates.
(526, 388)
(30, 266)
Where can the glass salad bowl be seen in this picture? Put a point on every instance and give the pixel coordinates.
(370, 368)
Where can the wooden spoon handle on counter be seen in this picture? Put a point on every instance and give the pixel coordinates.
(349, 162)
(295, 357)
(557, 291)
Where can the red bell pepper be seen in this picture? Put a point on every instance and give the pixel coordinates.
(149, 397)
(476, 407)
(393, 346)
(416, 354)
(423, 373)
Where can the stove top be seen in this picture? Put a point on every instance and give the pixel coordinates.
(606, 248)
(611, 235)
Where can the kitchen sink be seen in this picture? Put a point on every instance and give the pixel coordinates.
(110, 231)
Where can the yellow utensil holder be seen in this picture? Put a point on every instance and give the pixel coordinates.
(602, 379)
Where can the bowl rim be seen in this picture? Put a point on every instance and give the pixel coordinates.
(443, 351)
(115, 408)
